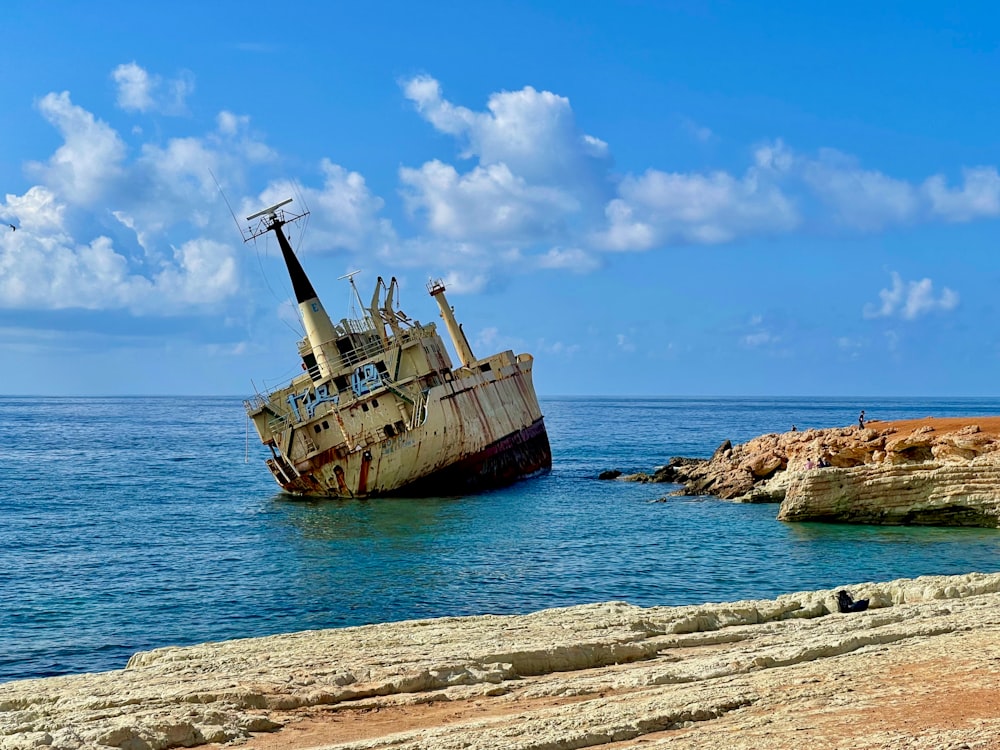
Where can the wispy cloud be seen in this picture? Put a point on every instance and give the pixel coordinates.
(700, 133)
(868, 200)
(760, 335)
(625, 342)
(978, 196)
(911, 299)
(569, 259)
(759, 338)
(557, 348)
(863, 199)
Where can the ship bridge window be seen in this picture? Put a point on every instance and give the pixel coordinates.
(317, 428)
(389, 430)
(364, 407)
(342, 382)
(309, 365)
(400, 427)
(346, 348)
(485, 368)
(374, 403)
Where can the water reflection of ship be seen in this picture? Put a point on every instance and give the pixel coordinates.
(379, 408)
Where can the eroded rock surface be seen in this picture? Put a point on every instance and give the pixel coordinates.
(747, 674)
(920, 493)
(930, 472)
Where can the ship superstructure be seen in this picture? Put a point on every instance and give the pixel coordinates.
(379, 407)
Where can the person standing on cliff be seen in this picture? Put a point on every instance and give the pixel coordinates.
(861, 419)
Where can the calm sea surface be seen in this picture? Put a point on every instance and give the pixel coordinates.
(132, 523)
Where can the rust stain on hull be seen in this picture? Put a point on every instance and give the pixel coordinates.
(514, 457)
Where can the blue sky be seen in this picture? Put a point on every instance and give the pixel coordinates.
(651, 198)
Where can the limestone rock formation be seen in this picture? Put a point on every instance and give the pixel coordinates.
(780, 673)
(920, 493)
(891, 473)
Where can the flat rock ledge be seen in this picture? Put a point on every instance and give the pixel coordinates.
(940, 472)
(918, 669)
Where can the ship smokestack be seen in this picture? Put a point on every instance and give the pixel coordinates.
(462, 348)
(319, 328)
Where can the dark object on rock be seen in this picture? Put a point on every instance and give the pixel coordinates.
(726, 447)
(677, 469)
(847, 604)
(610, 474)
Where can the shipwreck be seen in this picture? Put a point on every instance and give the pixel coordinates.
(380, 409)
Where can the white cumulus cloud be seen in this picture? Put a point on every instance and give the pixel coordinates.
(659, 208)
(106, 230)
(89, 161)
(535, 176)
(488, 203)
(50, 269)
(344, 213)
(534, 133)
(140, 91)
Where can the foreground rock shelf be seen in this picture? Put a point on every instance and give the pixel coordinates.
(933, 472)
(919, 669)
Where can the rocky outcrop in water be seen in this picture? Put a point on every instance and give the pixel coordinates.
(773, 673)
(896, 473)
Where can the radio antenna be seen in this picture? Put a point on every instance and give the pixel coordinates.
(350, 277)
(231, 212)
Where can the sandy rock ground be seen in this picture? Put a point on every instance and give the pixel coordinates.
(989, 426)
(919, 669)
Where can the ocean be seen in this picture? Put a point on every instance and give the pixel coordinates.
(132, 523)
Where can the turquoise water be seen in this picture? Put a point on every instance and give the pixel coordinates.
(132, 523)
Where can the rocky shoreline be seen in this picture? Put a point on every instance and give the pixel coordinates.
(917, 669)
(934, 471)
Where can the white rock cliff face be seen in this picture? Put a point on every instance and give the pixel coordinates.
(745, 674)
(924, 493)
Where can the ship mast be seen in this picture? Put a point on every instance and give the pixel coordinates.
(319, 327)
(462, 348)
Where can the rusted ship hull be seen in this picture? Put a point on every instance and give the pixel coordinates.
(517, 456)
(379, 408)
